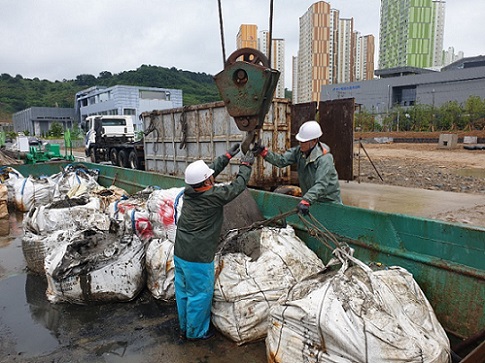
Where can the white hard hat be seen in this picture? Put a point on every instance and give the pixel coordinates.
(308, 131)
(197, 172)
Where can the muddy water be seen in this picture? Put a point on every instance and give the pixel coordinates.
(144, 330)
(477, 173)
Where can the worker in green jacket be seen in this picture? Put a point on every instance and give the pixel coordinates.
(197, 237)
(316, 170)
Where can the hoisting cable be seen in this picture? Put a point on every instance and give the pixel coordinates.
(318, 230)
(256, 225)
(221, 26)
(270, 31)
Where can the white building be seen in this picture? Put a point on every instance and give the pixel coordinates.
(125, 100)
(277, 60)
(345, 57)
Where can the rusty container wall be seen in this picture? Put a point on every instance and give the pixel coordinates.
(337, 122)
(180, 136)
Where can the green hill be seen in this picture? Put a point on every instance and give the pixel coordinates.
(18, 93)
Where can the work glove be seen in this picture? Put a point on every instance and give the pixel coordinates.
(259, 149)
(232, 151)
(304, 207)
(248, 158)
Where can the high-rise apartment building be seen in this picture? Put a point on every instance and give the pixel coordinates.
(345, 51)
(294, 79)
(247, 37)
(449, 56)
(364, 59)
(277, 60)
(316, 51)
(411, 33)
(329, 53)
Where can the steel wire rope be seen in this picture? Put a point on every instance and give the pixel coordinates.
(221, 27)
(318, 231)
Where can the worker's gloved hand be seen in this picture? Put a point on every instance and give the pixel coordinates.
(259, 149)
(304, 207)
(233, 151)
(248, 158)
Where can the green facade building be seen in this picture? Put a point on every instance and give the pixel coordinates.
(411, 33)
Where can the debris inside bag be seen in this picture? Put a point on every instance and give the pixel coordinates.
(94, 265)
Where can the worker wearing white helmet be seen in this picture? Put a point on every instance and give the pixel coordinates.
(316, 170)
(198, 232)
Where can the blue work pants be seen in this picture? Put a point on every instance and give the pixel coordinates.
(194, 288)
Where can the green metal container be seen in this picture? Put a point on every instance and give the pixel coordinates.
(447, 260)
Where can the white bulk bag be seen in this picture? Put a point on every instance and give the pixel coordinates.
(32, 191)
(35, 248)
(68, 214)
(132, 211)
(165, 207)
(160, 269)
(8, 176)
(95, 266)
(248, 284)
(356, 315)
(74, 176)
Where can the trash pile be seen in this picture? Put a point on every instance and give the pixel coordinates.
(97, 244)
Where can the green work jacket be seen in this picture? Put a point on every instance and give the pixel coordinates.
(316, 173)
(200, 223)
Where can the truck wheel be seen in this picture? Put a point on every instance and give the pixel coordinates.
(93, 157)
(113, 156)
(133, 160)
(122, 159)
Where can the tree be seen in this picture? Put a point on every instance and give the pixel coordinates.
(86, 80)
(56, 129)
(475, 110)
(365, 121)
(450, 116)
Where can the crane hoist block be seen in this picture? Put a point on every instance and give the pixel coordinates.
(247, 90)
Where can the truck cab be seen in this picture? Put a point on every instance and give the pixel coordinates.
(119, 128)
(112, 138)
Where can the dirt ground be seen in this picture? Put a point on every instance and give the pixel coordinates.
(422, 166)
(425, 166)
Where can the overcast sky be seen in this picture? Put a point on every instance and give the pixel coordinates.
(60, 39)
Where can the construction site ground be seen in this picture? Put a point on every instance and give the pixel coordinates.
(429, 171)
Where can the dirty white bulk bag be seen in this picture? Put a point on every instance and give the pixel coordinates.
(249, 282)
(108, 196)
(35, 248)
(74, 176)
(96, 266)
(356, 315)
(133, 212)
(160, 269)
(3, 201)
(8, 176)
(68, 214)
(165, 207)
(32, 191)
